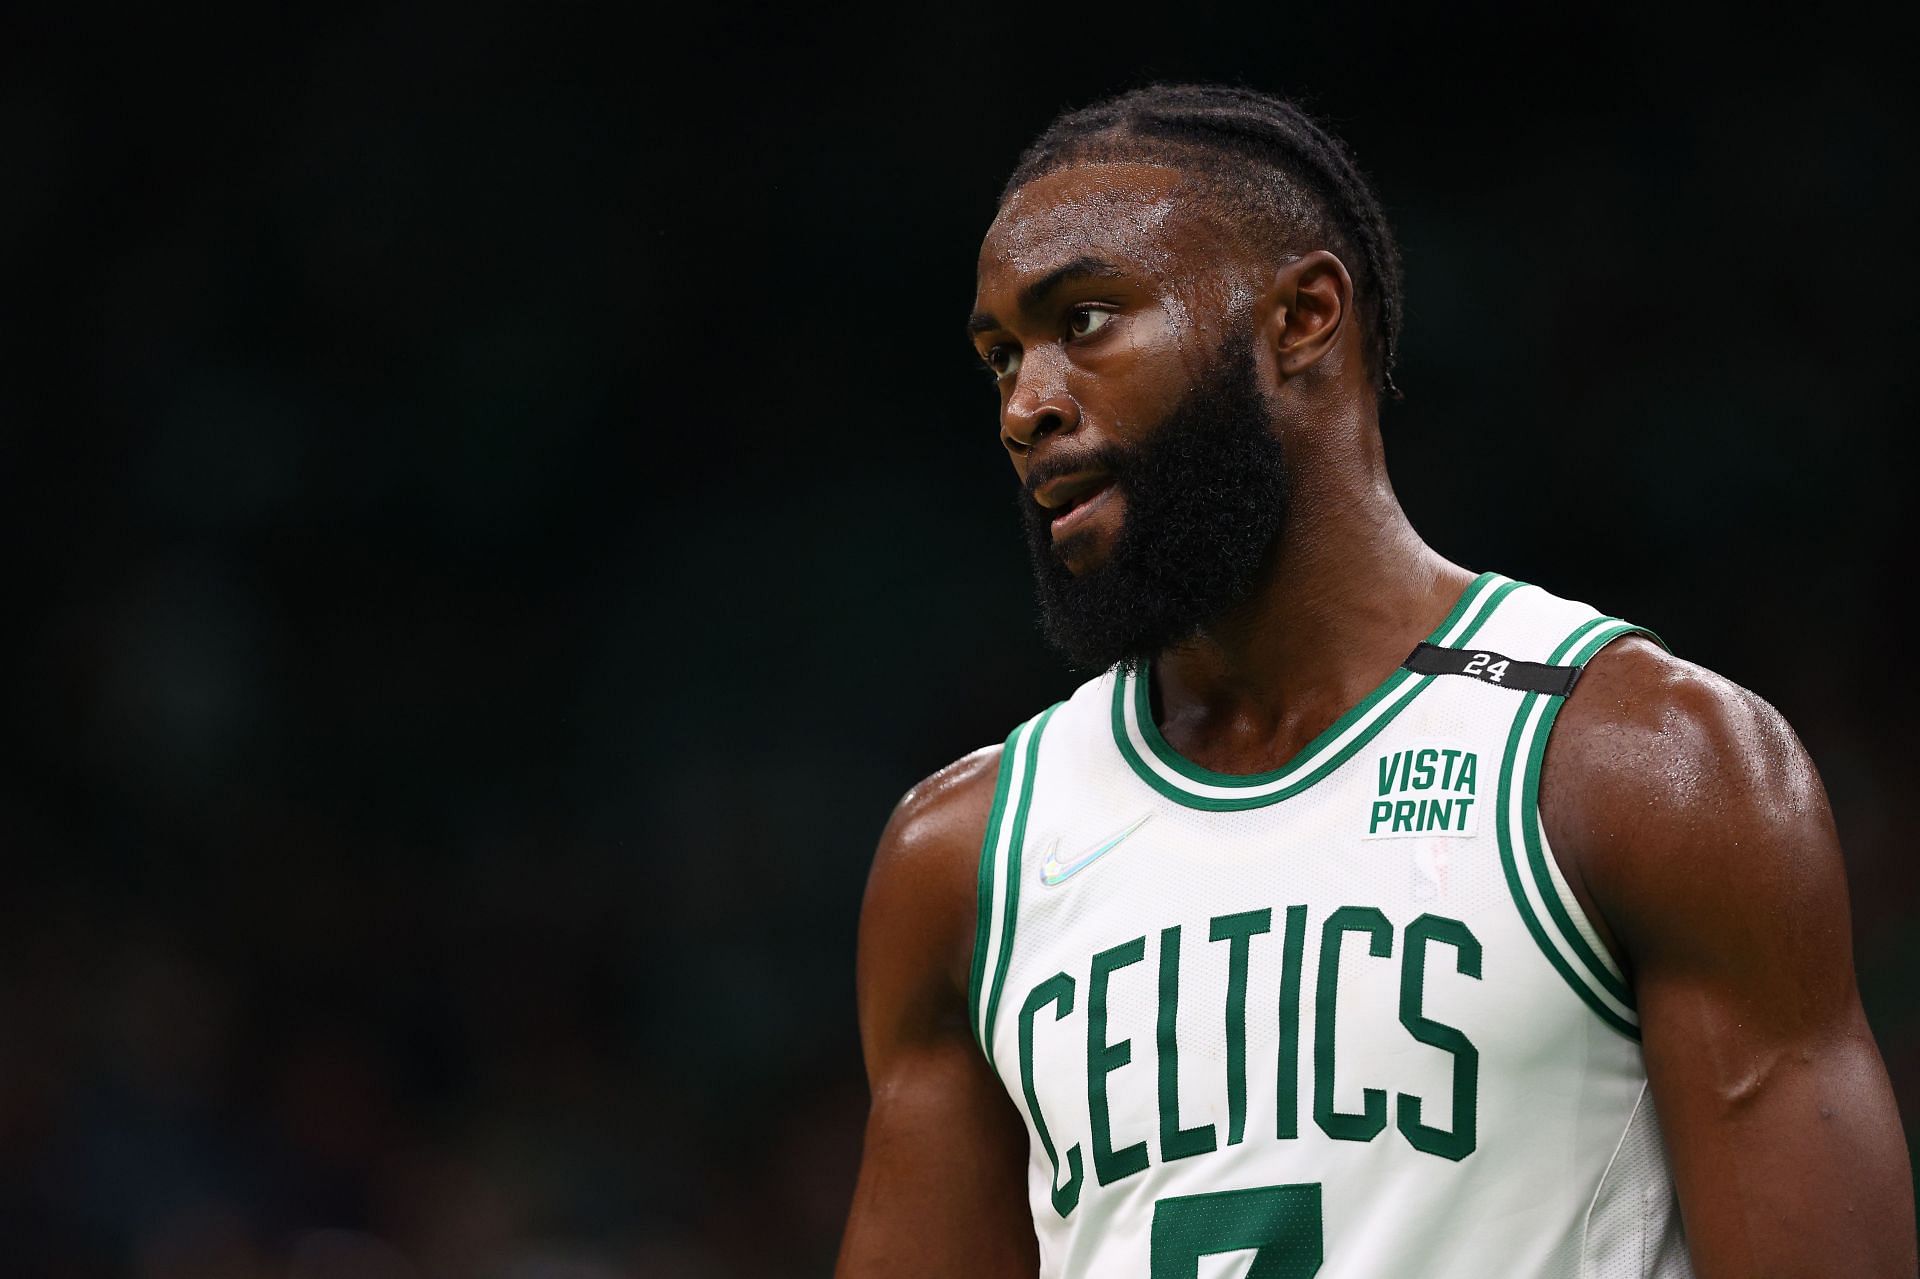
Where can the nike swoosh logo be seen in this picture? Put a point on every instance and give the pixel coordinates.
(1054, 871)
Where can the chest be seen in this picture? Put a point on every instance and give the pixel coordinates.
(1249, 982)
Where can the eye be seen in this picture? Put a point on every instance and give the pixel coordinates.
(1003, 361)
(1083, 320)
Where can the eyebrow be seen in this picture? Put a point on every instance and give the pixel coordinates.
(1034, 296)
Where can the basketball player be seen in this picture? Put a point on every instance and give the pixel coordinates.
(1366, 915)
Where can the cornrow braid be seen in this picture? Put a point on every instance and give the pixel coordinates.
(1262, 159)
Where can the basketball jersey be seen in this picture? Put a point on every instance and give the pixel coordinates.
(1342, 1019)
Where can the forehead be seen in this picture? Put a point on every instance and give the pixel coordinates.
(1133, 213)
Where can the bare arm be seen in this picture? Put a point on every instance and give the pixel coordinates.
(1691, 820)
(942, 1188)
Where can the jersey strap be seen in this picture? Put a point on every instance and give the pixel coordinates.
(1546, 903)
(1493, 668)
(998, 902)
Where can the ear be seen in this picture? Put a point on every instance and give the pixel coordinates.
(1304, 309)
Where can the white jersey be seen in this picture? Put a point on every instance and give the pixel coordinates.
(1343, 1019)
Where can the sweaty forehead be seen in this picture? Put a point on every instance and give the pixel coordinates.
(1131, 212)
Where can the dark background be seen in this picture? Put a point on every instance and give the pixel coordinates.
(497, 505)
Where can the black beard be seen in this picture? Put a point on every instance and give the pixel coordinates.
(1206, 495)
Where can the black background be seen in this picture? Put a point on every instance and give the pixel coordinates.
(497, 505)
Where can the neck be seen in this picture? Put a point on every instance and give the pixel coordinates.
(1349, 590)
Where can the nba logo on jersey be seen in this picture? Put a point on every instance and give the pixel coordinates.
(1426, 793)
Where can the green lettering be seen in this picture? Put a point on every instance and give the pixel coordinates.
(1382, 810)
(1280, 1225)
(1288, 1090)
(1103, 1058)
(1057, 989)
(1460, 1142)
(1403, 813)
(1446, 776)
(1386, 766)
(1175, 1142)
(1372, 1118)
(1469, 770)
(1423, 769)
(1238, 930)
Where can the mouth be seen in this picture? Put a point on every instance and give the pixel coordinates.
(1075, 501)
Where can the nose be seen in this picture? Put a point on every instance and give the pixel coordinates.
(1037, 407)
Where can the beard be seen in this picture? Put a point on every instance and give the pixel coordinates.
(1206, 494)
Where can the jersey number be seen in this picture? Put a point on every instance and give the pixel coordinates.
(1479, 669)
(1281, 1223)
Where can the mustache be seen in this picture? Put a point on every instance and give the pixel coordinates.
(1110, 458)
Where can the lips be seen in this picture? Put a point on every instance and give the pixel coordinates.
(1081, 507)
(1068, 491)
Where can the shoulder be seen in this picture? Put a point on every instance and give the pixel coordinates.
(920, 893)
(1647, 739)
(953, 802)
(1676, 796)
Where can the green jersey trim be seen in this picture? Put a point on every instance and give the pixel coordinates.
(1546, 903)
(1000, 875)
(1163, 768)
(983, 892)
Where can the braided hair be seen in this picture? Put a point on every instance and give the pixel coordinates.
(1262, 161)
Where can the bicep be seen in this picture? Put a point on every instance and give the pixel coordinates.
(1778, 1116)
(942, 1188)
(1717, 864)
(1786, 1148)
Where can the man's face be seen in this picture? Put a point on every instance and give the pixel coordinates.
(1097, 313)
(1130, 401)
